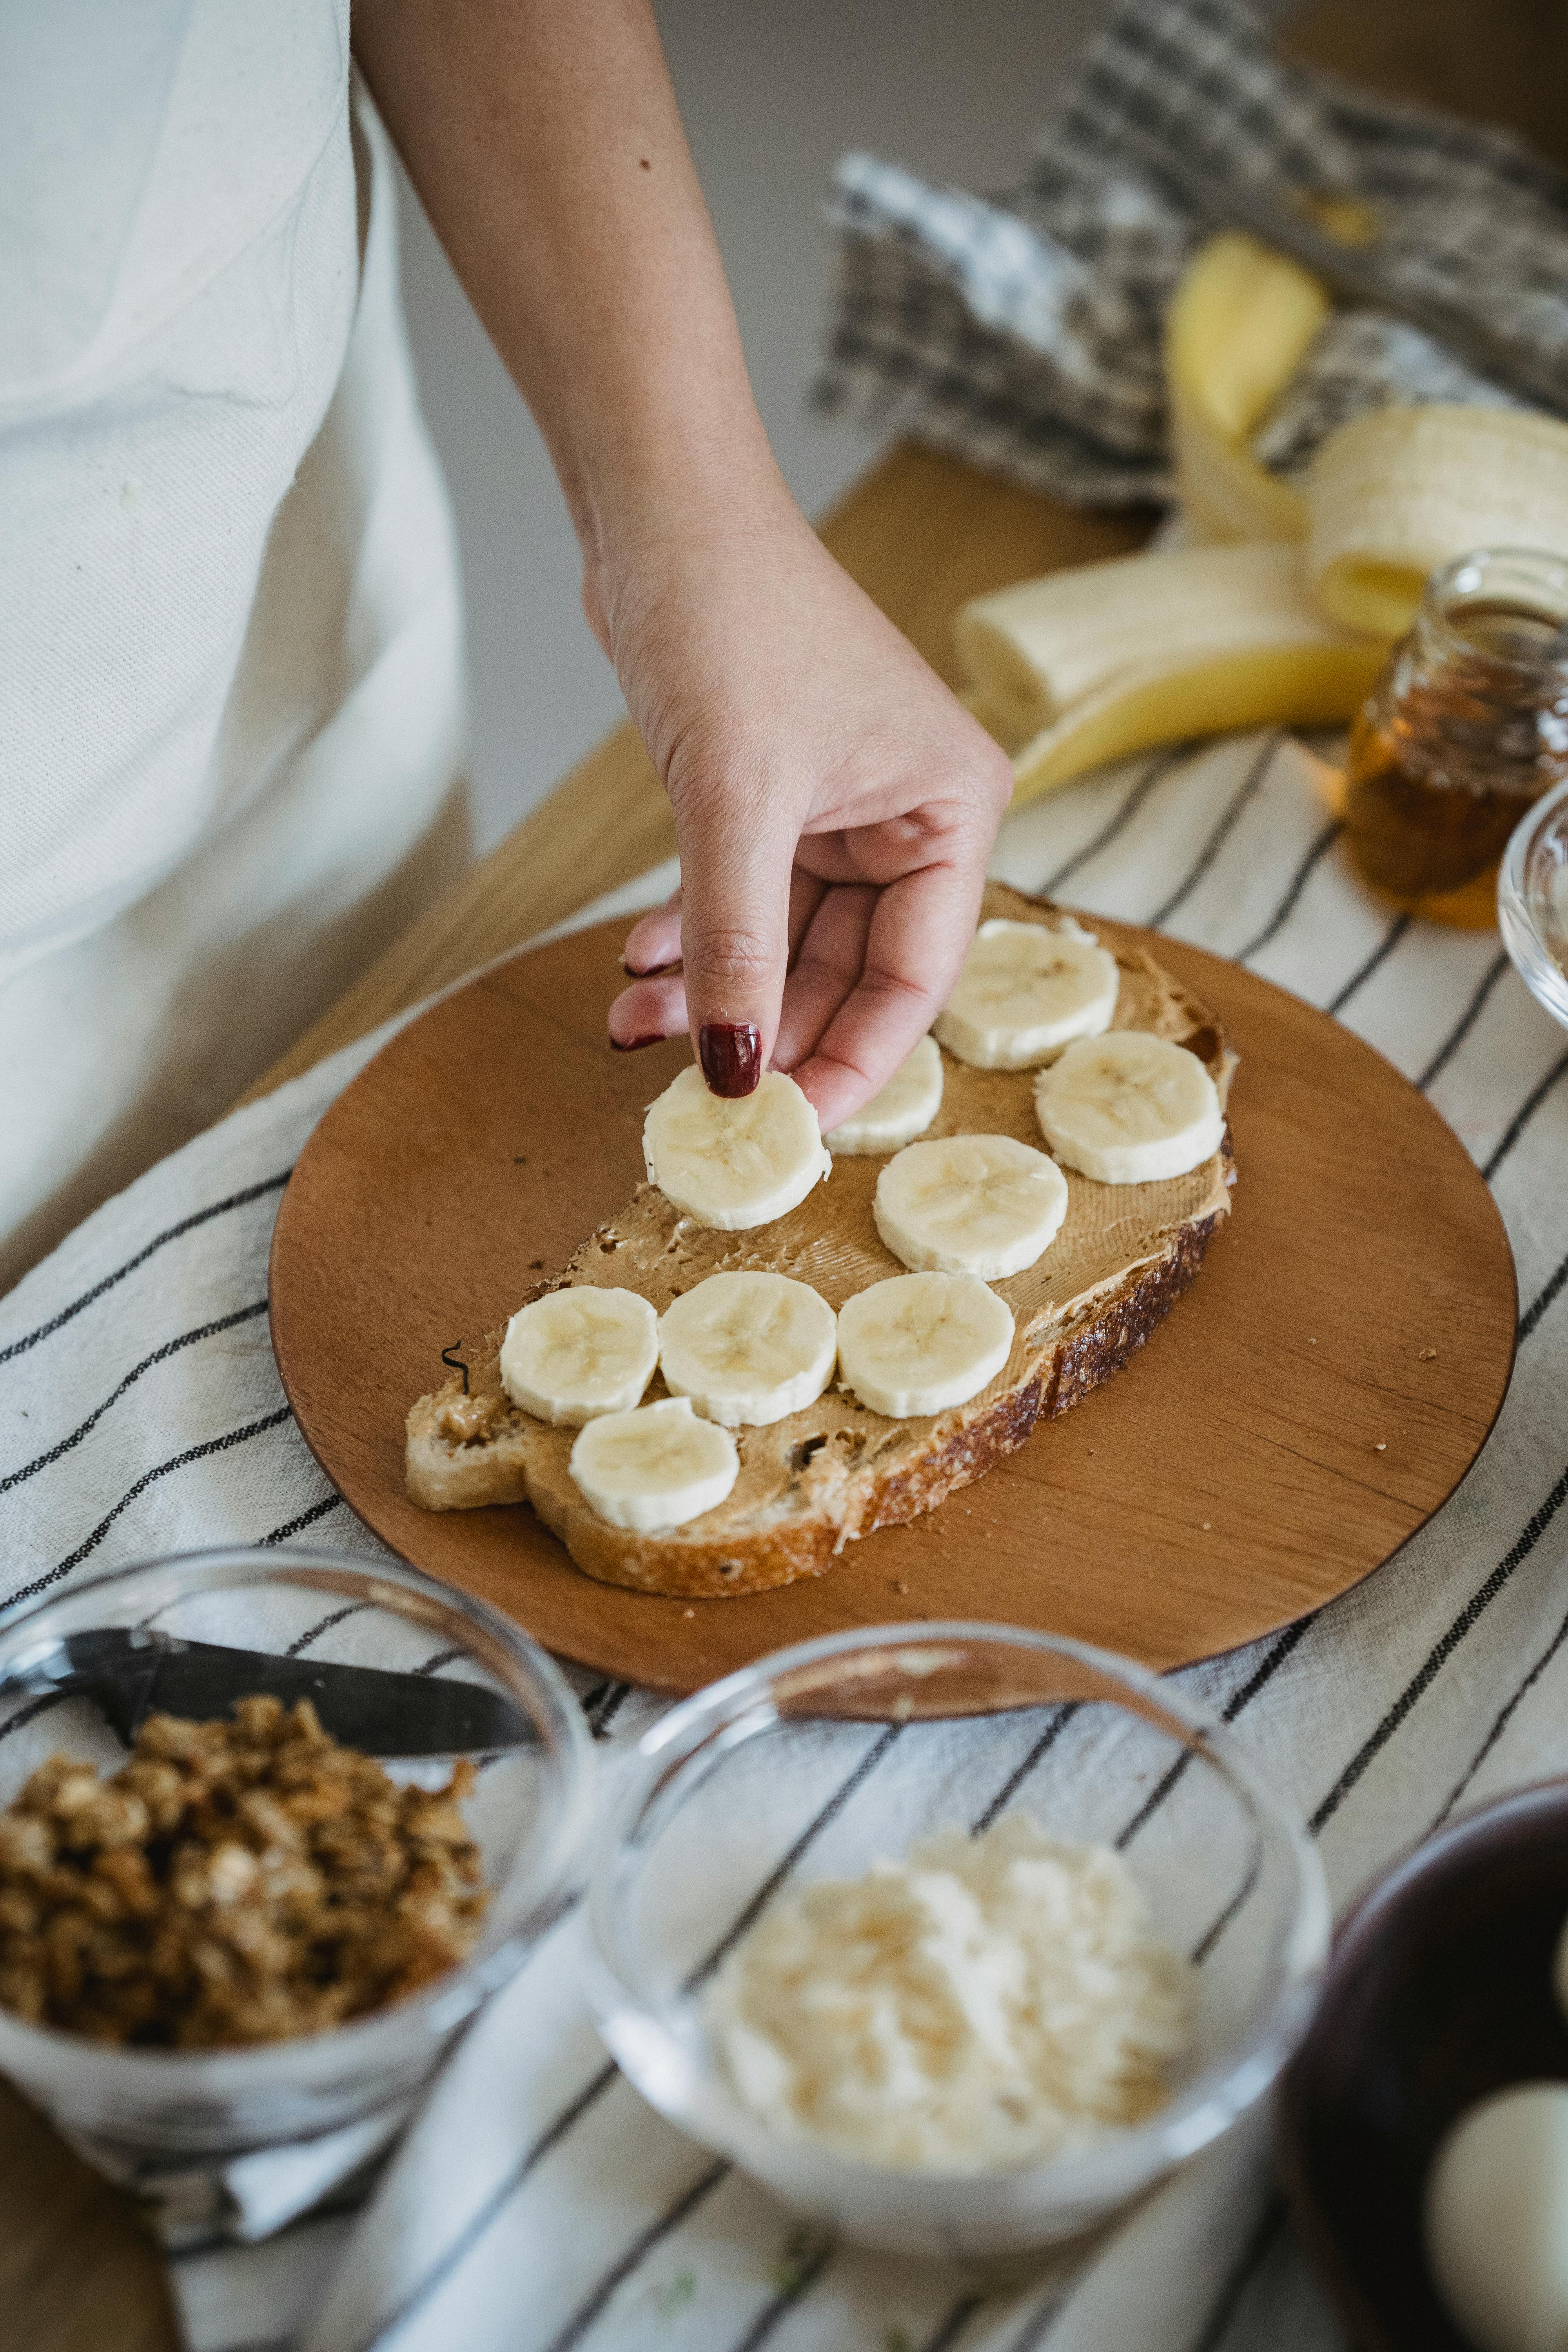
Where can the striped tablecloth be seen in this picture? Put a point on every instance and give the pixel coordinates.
(536, 2204)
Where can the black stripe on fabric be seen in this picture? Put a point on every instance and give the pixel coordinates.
(1251, 784)
(1212, 1935)
(590, 1698)
(30, 1713)
(159, 1355)
(952, 2327)
(1139, 792)
(1504, 1716)
(1439, 1654)
(807, 1838)
(611, 1708)
(1380, 954)
(302, 1520)
(587, 2311)
(1297, 883)
(1466, 1023)
(804, 2278)
(324, 1625)
(502, 2195)
(158, 1241)
(1523, 1115)
(439, 1658)
(1239, 1701)
(149, 1478)
(1542, 1301)
(1249, 2261)
(1016, 1780)
(1040, 2322)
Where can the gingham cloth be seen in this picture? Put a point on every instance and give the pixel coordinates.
(1022, 330)
(536, 2205)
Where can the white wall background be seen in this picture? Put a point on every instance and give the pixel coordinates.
(773, 91)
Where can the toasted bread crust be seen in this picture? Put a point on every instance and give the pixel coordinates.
(836, 1472)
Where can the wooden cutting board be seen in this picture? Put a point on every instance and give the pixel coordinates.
(1313, 1400)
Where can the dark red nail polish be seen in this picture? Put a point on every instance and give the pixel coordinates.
(636, 1045)
(730, 1053)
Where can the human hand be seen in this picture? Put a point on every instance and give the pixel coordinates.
(835, 807)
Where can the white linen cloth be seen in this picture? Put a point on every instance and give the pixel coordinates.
(536, 2205)
(1024, 330)
(229, 606)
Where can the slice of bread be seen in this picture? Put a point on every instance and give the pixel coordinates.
(818, 1480)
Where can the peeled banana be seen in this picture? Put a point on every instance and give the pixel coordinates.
(1114, 657)
(734, 1164)
(985, 1205)
(578, 1353)
(1024, 992)
(922, 1342)
(748, 1349)
(1130, 1108)
(904, 1108)
(654, 1468)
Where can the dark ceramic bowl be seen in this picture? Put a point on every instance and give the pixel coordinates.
(1438, 1993)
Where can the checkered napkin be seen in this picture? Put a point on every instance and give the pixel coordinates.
(535, 2204)
(1023, 330)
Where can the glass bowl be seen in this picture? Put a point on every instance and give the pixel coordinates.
(1533, 900)
(189, 2131)
(822, 1758)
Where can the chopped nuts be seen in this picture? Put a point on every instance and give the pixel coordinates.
(233, 1882)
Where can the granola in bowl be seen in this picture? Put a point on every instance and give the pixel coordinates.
(235, 1882)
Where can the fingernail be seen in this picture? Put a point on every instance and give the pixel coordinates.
(648, 970)
(636, 1045)
(730, 1053)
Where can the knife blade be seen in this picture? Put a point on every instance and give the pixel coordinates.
(134, 1672)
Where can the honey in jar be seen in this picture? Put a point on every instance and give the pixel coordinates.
(1466, 726)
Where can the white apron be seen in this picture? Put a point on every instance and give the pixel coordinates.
(231, 712)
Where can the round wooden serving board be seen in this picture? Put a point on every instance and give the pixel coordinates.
(1227, 1481)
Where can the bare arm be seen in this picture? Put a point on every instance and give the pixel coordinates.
(833, 805)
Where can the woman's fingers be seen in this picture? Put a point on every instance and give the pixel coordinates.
(653, 943)
(826, 966)
(920, 933)
(648, 1011)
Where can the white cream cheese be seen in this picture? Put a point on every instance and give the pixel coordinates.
(985, 2003)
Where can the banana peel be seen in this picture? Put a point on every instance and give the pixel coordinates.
(1237, 329)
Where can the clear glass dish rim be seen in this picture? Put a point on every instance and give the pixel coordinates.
(1199, 2112)
(1513, 903)
(541, 1871)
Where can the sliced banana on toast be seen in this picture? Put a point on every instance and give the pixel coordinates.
(979, 1204)
(733, 1164)
(748, 1349)
(654, 1467)
(904, 1108)
(919, 1343)
(575, 1354)
(1025, 993)
(1130, 1108)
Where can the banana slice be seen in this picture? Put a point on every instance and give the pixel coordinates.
(905, 1107)
(978, 1204)
(748, 1349)
(575, 1354)
(656, 1467)
(1024, 993)
(734, 1165)
(922, 1342)
(1130, 1108)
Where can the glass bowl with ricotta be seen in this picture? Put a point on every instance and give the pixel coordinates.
(957, 1936)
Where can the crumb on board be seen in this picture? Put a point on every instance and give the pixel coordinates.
(233, 1882)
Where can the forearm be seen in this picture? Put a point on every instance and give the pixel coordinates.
(544, 140)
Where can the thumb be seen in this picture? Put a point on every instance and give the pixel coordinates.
(735, 866)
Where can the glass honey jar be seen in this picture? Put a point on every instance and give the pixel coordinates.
(1466, 725)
